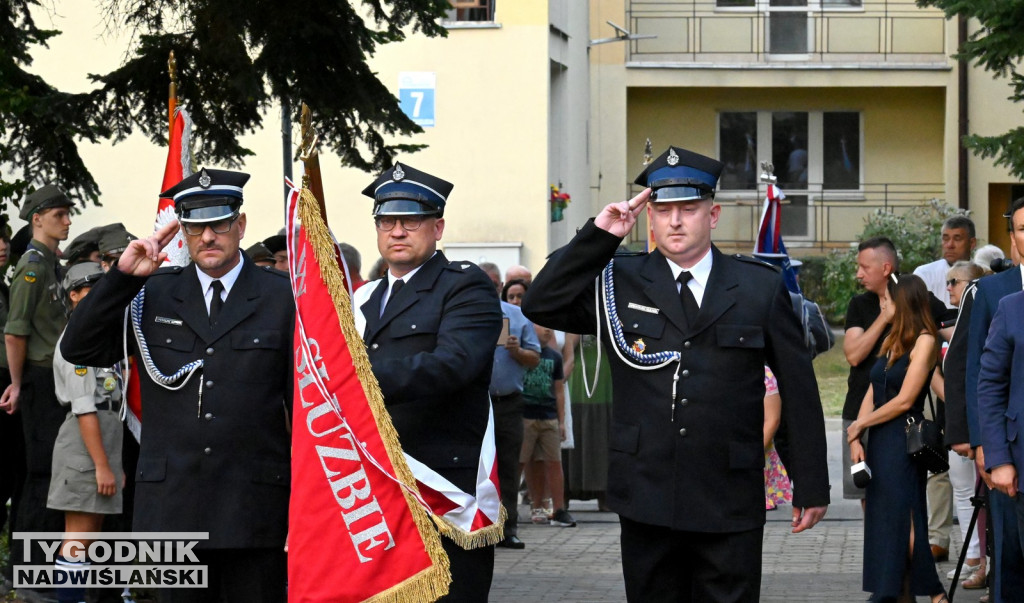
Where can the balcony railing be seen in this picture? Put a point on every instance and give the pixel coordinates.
(811, 219)
(703, 32)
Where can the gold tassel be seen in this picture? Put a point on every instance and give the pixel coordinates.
(432, 583)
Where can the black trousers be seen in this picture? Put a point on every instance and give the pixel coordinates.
(472, 572)
(661, 564)
(41, 418)
(508, 442)
(237, 576)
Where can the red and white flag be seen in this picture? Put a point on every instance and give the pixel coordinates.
(357, 529)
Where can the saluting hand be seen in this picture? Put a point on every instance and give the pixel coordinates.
(619, 218)
(143, 256)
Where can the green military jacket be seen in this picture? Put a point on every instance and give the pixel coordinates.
(38, 309)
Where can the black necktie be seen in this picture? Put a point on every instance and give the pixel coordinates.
(216, 304)
(690, 307)
(395, 288)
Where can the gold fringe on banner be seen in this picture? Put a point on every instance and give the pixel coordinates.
(431, 583)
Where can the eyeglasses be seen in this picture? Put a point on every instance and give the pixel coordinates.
(410, 223)
(953, 281)
(194, 229)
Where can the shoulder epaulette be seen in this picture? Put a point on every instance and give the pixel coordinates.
(752, 260)
(33, 255)
(460, 265)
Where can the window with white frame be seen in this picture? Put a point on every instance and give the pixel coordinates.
(813, 152)
(471, 11)
(789, 24)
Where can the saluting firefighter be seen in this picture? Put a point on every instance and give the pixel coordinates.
(688, 331)
(87, 478)
(212, 346)
(38, 313)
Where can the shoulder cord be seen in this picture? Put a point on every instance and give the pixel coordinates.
(629, 356)
(158, 377)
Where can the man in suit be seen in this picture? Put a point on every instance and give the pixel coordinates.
(1001, 402)
(212, 342)
(1008, 559)
(430, 327)
(688, 331)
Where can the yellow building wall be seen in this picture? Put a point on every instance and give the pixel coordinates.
(490, 139)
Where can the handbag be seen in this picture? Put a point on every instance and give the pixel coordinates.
(924, 441)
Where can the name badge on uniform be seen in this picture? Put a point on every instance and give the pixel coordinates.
(169, 321)
(648, 309)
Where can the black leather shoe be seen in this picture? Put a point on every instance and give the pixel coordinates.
(512, 542)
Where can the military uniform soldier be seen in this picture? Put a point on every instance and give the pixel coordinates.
(38, 313)
(215, 451)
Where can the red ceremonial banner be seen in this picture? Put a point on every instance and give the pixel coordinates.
(355, 533)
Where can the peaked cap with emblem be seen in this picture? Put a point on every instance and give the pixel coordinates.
(681, 175)
(47, 197)
(114, 239)
(405, 191)
(208, 195)
(83, 274)
(259, 253)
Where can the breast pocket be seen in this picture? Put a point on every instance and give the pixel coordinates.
(257, 354)
(178, 339)
(642, 324)
(413, 325)
(739, 336)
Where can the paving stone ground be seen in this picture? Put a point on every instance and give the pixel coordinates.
(583, 564)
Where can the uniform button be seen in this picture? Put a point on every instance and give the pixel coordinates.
(684, 402)
(208, 451)
(682, 432)
(686, 373)
(636, 325)
(168, 340)
(455, 459)
(374, 346)
(209, 351)
(208, 416)
(687, 344)
(742, 339)
(413, 327)
(209, 383)
(256, 340)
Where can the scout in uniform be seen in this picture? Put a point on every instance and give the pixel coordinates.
(112, 243)
(260, 255)
(688, 331)
(87, 477)
(38, 313)
(213, 343)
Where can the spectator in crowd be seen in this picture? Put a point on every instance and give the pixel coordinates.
(87, 475)
(278, 245)
(84, 248)
(948, 384)
(202, 451)
(260, 255)
(895, 518)
(958, 241)
(1008, 559)
(379, 270)
(777, 487)
(544, 430)
(38, 313)
(986, 255)
(355, 264)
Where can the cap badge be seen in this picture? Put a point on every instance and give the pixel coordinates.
(672, 158)
(398, 174)
(204, 179)
(639, 346)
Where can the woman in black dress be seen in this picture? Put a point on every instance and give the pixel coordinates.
(898, 563)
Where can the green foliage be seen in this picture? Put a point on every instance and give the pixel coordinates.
(917, 235)
(235, 58)
(40, 126)
(996, 46)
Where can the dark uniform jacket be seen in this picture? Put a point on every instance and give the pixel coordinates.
(431, 352)
(702, 471)
(223, 468)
